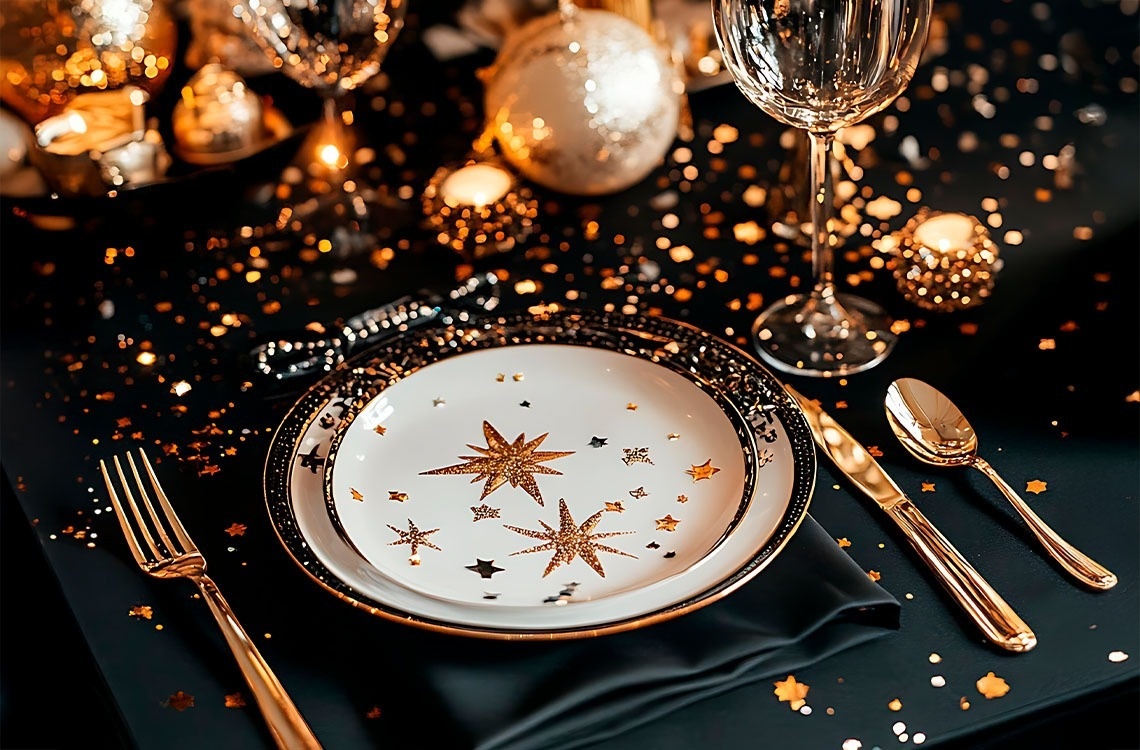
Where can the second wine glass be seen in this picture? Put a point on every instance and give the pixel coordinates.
(821, 65)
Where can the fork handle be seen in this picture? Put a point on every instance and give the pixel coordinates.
(284, 720)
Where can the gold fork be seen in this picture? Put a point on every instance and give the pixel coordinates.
(178, 557)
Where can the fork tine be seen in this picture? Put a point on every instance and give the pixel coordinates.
(144, 529)
(172, 517)
(144, 496)
(121, 513)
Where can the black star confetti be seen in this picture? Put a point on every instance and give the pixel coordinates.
(312, 461)
(485, 568)
(524, 404)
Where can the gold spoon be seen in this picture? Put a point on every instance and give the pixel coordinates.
(934, 430)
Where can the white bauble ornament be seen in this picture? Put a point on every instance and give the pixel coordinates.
(583, 101)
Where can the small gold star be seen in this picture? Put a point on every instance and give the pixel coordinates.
(518, 377)
(380, 429)
(992, 686)
(928, 486)
(874, 575)
(792, 692)
(631, 406)
(356, 495)
(397, 496)
(704, 471)
(1036, 486)
(843, 542)
(668, 523)
(236, 529)
(638, 493)
(674, 436)
(415, 538)
(682, 498)
(500, 377)
(143, 611)
(569, 541)
(615, 506)
(875, 451)
(180, 701)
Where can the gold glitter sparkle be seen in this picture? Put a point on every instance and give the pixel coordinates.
(668, 523)
(502, 462)
(415, 538)
(1036, 486)
(703, 471)
(791, 692)
(569, 541)
(992, 686)
(142, 610)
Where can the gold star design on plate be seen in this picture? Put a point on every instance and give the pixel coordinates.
(397, 496)
(356, 494)
(638, 493)
(674, 436)
(928, 486)
(668, 523)
(500, 378)
(379, 429)
(415, 538)
(636, 456)
(569, 541)
(631, 406)
(518, 377)
(484, 511)
(615, 506)
(790, 691)
(501, 462)
(682, 498)
(1036, 486)
(704, 471)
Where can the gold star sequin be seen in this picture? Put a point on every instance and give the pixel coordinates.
(144, 611)
(843, 542)
(180, 701)
(356, 494)
(569, 541)
(484, 511)
(415, 538)
(668, 523)
(992, 686)
(235, 700)
(380, 429)
(638, 493)
(236, 529)
(704, 471)
(874, 575)
(928, 486)
(682, 498)
(1036, 486)
(792, 692)
(615, 506)
(397, 496)
(503, 462)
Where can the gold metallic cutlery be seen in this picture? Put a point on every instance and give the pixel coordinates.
(996, 619)
(174, 555)
(934, 430)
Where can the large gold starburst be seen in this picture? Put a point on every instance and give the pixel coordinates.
(502, 462)
(569, 541)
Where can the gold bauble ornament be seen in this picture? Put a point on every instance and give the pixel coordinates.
(52, 50)
(583, 101)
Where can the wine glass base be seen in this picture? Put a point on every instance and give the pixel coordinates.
(823, 335)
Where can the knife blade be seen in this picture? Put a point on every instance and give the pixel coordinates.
(989, 611)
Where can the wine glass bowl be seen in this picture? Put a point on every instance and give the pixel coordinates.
(819, 66)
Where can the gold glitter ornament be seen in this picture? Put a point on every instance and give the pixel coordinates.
(583, 101)
(55, 49)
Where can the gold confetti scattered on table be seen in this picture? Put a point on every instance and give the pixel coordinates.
(1036, 486)
(484, 511)
(668, 523)
(844, 542)
(142, 610)
(992, 686)
(235, 700)
(356, 494)
(373, 713)
(895, 705)
(570, 541)
(928, 486)
(704, 471)
(615, 506)
(180, 701)
(397, 496)
(840, 404)
(968, 329)
(502, 462)
(791, 692)
(236, 529)
(1046, 345)
(1117, 656)
(414, 537)
(963, 703)
(874, 575)
(380, 429)
(631, 406)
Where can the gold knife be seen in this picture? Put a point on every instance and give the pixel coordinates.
(997, 620)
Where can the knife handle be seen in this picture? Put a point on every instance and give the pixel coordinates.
(986, 608)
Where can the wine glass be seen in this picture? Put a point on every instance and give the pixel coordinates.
(332, 47)
(821, 65)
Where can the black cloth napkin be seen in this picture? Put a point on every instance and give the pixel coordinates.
(810, 602)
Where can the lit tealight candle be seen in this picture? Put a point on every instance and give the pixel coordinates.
(475, 185)
(947, 233)
(943, 261)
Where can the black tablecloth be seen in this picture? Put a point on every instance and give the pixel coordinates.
(1047, 369)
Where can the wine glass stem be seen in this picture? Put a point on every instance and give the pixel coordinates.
(822, 250)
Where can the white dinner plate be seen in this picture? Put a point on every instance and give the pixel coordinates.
(540, 476)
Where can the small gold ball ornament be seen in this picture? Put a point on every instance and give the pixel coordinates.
(583, 101)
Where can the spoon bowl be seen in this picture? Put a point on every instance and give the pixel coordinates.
(934, 430)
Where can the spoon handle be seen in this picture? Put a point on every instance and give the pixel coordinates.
(1084, 568)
